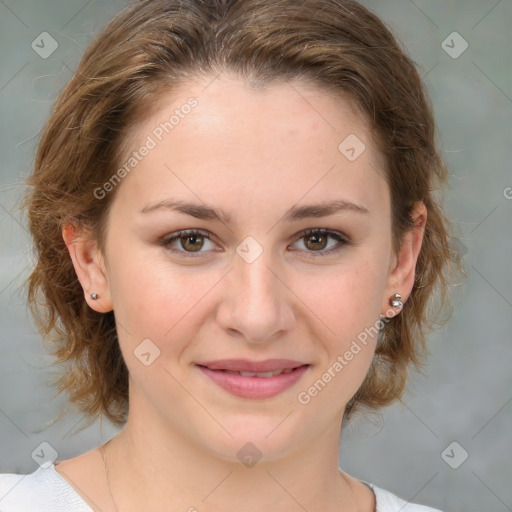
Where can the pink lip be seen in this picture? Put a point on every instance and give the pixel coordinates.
(253, 387)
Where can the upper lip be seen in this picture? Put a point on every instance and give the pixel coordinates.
(246, 365)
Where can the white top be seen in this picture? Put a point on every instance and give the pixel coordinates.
(45, 490)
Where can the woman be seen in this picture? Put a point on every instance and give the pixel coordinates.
(237, 238)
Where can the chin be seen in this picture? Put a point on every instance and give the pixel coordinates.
(252, 439)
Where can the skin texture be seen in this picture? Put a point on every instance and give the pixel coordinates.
(255, 153)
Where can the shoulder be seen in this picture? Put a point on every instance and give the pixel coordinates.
(389, 502)
(43, 490)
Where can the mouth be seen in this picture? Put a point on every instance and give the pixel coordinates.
(263, 375)
(254, 379)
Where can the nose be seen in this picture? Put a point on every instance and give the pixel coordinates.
(257, 304)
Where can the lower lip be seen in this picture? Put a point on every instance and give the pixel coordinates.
(254, 387)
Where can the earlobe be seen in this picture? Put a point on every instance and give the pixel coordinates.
(89, 267)
(402, 276)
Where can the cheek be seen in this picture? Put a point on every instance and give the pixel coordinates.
(347, 302)
(156, 312)
(152, 299)
(346, 297)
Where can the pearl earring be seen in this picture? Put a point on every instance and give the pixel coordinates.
(94, 296)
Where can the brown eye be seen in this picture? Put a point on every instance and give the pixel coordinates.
(188, 243)
(321, 242)
(316, 241)
(192, 243)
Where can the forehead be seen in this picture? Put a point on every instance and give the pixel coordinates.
(279, 143)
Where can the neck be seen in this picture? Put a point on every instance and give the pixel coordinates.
(173, 470)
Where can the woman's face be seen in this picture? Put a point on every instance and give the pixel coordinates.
(245, 173)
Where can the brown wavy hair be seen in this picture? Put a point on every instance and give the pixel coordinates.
(151, 47)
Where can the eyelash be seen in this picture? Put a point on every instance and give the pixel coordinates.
(340, 238)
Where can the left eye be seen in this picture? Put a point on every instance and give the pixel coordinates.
(191, 241)
(315, 241)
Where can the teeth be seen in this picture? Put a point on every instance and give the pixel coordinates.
(260, 374)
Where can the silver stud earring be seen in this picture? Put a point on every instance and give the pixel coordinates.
(94, 296)
(396, 301)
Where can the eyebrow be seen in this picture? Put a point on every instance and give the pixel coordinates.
(205, 212)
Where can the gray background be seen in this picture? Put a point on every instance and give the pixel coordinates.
(465, 393)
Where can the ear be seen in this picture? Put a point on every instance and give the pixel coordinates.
(89, 266)
(403, 271)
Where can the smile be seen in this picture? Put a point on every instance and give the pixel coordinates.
(248, 379)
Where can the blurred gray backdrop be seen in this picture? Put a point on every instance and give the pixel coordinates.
(447, 444)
